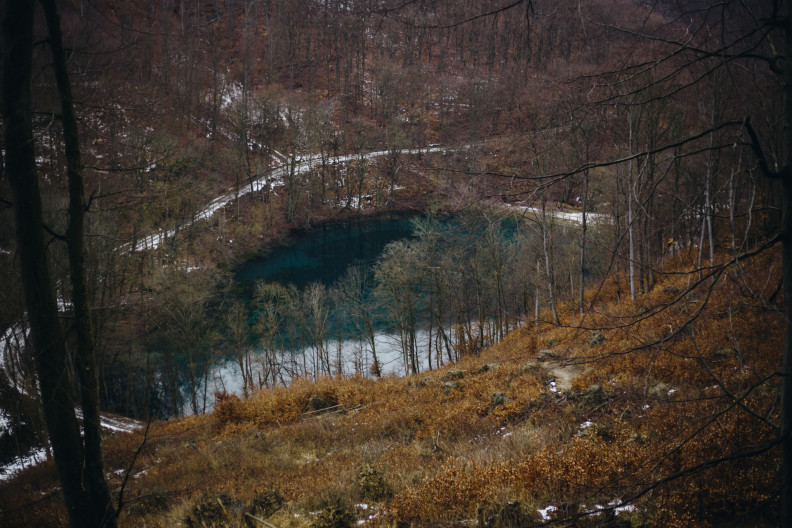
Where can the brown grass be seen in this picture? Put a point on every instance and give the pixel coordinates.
(443, 456)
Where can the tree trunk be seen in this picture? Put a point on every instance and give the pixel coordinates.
(548, 268)
(630, 207)
(94, 475)
(583, 238)
(786, 251)
(786, 368)
(537, 293)
(45, 328)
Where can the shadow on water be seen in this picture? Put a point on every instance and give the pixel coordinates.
(322, 254)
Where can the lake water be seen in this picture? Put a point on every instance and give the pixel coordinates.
(322, 254)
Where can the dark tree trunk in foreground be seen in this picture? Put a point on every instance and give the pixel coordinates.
(786, 369)
(782, 19)
(93, 478)
(82, 479)
(786, 233)
(45, 329)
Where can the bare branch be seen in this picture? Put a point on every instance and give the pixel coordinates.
(460, 22)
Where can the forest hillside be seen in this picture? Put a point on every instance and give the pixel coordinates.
(396, 262)
(663, 416)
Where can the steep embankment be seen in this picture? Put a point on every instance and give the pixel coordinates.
(656, 412)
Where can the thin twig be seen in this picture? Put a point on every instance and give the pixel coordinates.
(131, 465)
(262, 521)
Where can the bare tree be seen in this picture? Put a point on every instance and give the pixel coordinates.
(79, 460)
(398, 282)
(353, 290)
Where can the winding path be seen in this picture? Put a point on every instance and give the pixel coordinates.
(273, 176)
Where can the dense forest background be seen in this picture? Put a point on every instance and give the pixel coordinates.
(555, 156)
(181, 101)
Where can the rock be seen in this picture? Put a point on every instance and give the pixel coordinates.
(536, 403)
(334, 516)
(420, 382)
(637, 438)
(595, 339)
(488, 367)
(596, 430)
(498, 398)
(455, 374)
(546, 354)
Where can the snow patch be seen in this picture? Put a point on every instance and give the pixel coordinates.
(615, 505)
(36, 456)
(5, 422)
(120, 426)
(546, 512)
(585, 425)
(33, 458)
(116, 425)
(572, 216)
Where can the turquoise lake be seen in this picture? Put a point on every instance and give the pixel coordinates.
(323, 253)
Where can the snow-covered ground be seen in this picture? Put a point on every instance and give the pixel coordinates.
(5, 421)
(115, 424)
(11, 340)
(561, 214)
(36, 456)
(9, 471)
(616, 506)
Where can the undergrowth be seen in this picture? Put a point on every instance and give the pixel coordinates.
(667, 420)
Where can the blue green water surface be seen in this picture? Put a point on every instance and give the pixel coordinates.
(322, 254)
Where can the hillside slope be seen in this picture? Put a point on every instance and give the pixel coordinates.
(654, 413)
